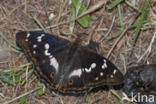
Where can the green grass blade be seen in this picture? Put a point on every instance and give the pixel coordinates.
(114, 3)
(22, 100)
(76, 5)
(140, 23)
(120, 16)
(84, 21)
(77, 9)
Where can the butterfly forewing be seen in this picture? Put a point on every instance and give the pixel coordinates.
(65, 66)
(45, 51)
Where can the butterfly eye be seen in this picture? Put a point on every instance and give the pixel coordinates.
(52, 74)
(70, 82)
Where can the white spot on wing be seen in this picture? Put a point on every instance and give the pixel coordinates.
(46, 49)
(101, 74)
(39, 38)
(111, 76)
(34, 52)
(47, 46)
(77, 72)
(97, 78)
(50, 56)
(47, 53)
(93, 65)
(54, 63)
(104, 64)
(28, 35)
(88, 70)
(34, 46)
(114, 71)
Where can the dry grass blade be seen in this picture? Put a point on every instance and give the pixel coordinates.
(122, 34)
(39, 23)
(115, 93)
(14, 10)
(148, 51)
(27, 93)
(62, 9)
(7, 41)
(109, 29)
(90, 10)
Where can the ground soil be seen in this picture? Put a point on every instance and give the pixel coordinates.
(16, 15)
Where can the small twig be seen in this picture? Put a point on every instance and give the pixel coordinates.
(116, 42)
(5, 71)
(122, 34)
(98, 25)
(61, 100)
(62, 9)
(88, 3)
(13, 10)
(109, 29)
(25, 8)
(39, 23)
(8, 42)
(27, 93)
(2, 95)
(132, 6)
(26, 78)
(149, 48)
(124, 63)
(91, 10)
(114, 93)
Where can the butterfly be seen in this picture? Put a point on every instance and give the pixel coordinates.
(64, 66)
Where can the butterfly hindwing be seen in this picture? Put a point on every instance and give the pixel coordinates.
(67, 67)
(89, 70)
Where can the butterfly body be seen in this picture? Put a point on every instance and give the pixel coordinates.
(66, 67)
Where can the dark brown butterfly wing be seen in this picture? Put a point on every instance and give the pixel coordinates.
(66, 67)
